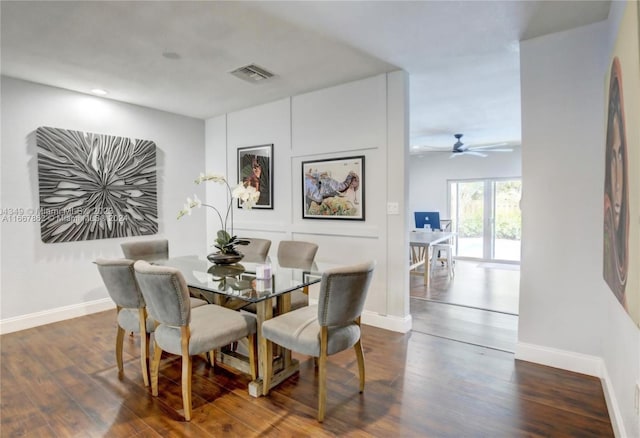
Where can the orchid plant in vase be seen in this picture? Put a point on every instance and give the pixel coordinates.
(226, 241)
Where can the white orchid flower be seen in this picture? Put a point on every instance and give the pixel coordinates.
(215, 177)
(247, 195)
(238, 192)
(186, 210)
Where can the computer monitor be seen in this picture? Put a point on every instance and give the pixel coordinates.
(427, 217)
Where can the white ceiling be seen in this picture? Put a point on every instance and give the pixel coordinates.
(462, 56)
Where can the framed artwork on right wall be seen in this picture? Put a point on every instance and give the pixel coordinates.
(334, 189)
(621, 201)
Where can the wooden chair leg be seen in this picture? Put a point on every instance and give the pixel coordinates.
(145, 339)
(186, 371)
(186, 386)
(144, 346)
(253, 356)
(119, 343)
(360, 356)
(267, 349)
(322, 374)
(155, 368)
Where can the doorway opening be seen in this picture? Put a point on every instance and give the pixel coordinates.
(485, 215)
(479, 305)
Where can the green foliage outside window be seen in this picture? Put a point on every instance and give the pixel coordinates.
(508, 216)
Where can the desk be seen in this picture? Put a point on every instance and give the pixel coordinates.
(236, 286)
(420, 241)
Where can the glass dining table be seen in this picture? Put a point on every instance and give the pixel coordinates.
(260, 282)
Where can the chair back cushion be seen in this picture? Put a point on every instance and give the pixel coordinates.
(165, 292)
(256, 251)
(119, 278)
(296, 254)
(342, 293)
(148, 250)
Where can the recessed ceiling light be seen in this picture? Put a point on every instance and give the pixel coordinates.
(99, 91)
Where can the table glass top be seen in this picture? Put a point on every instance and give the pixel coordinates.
(240, 281)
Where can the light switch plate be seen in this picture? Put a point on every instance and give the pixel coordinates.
(393, 208)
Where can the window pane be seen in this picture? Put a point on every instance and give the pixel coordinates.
(508, 220)
(470, 219)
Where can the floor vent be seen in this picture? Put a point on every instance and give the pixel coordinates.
(252, 73)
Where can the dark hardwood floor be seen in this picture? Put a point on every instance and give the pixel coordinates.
(61, 380)
(473, 326)
(478, 306)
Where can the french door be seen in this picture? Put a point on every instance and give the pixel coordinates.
(486, 216)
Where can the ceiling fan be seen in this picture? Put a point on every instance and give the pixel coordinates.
(460, 148)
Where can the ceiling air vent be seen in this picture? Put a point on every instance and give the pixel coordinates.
(252, 73)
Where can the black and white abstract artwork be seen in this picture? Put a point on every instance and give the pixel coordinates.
(95, 186)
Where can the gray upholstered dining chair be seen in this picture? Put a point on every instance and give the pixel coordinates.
(293, 254)
(148, 250)
(151, 250)
(297, 254)
(256, 251)
(324, 329)
(186, 331)
(119, 278)
(292, 251)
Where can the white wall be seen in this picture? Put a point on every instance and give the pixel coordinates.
(366, 117)
(621, 344)
(430, 171)
(46, 282)
(568, 316)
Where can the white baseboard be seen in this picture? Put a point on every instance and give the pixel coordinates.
(36, 319)
(387, 322)
(578, 363)
(566, 360)
(612, 405)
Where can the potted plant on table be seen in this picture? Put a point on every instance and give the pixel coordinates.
(226, 242)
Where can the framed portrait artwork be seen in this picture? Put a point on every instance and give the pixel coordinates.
(333, 189)
(255, 168)
(621, 200)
